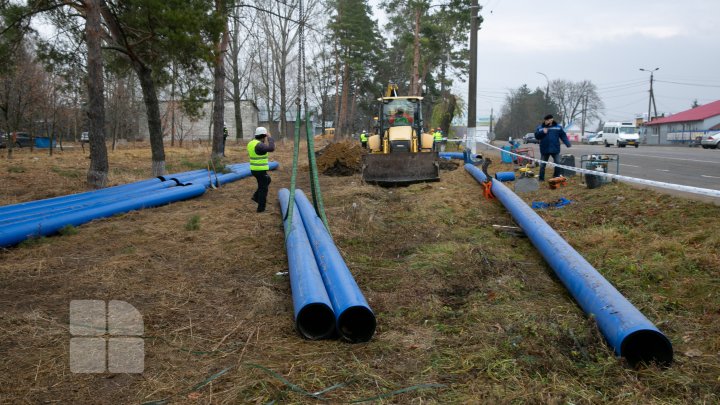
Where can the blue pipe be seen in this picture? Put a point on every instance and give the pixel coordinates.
(505, 176)
(314, 317)
(355, 320)
(238, 172)
(60, 209)
(73, 204)
(8, 209)
(452, 155)
(14, 234)
(626, 329)
(31, 206)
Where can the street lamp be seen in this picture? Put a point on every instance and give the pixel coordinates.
(547, 89)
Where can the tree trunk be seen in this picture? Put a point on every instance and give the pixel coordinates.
(97, 175)
(219, 89)
(236, 100)
(353, 105)
(153, 116)
(415, 81)
(344, 103)
(283, 100)
(172, 106)
(336, 120)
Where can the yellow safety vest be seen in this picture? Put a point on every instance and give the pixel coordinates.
(363, 137)
(257, 162)
(437, 136)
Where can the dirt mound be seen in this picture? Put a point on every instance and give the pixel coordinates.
(448, 165)
(340, 159)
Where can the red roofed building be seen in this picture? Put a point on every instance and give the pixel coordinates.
(683, 126)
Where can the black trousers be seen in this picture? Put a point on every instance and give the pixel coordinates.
(260, 196)
(545, 157)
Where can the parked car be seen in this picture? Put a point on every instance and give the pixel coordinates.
(710, 140)
(530, 138)
(21, 140)
(596, 139)
(697, 141)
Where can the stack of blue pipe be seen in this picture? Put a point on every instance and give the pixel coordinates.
(46, 217)
(326, 298)
(625, 328)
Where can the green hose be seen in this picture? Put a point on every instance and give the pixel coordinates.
(314, 179)
(293, 176)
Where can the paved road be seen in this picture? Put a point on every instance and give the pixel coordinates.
(696, 167)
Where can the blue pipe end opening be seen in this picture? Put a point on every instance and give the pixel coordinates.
(357, 324)
(647, 346)
(316, 321)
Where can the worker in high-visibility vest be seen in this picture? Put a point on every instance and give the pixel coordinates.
(437, 138)
(363, 139)
(259, 153)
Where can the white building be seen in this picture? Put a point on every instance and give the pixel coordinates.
(187, 129)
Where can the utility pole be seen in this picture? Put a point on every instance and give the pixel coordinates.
(651, 98)
(472, 82)
(584, 114)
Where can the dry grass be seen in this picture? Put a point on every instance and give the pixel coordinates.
(458, 303)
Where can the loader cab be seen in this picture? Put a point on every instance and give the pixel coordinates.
(400, 124)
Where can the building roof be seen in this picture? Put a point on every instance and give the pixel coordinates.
(694, 114)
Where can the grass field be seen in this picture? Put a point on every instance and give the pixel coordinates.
(466, 313)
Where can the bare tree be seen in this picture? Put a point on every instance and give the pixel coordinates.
(569, 97)
(281, 33)
(239, 69)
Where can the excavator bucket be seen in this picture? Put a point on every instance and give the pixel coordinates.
(400, 168)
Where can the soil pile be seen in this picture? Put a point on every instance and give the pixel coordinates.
(340, 159)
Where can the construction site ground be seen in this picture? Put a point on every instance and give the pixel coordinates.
(467, 312)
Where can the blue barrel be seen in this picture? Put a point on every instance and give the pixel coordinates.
(506, 157)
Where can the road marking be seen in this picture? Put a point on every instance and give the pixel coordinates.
(662, 170)
(623, 164)
(671, 158)
(710, 177)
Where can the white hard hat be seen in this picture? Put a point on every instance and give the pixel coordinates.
(260, 131)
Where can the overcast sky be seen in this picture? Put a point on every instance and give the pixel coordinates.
(605, 42)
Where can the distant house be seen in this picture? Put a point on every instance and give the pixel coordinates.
(683, 126)
(290, 116)
(574, 132)
(201, 129)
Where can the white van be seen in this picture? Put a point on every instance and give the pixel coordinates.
(620, 134)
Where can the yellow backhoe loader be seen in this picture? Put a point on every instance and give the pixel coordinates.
(399, 151)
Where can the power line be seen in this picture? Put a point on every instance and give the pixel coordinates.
(688, 84)
(623, 95)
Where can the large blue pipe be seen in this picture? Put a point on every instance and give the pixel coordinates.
(30, 206)
(60, 206)
(13, 234)
(238, 172)
(626, 329)
(314, 317)
(355, 320)
(452, 155)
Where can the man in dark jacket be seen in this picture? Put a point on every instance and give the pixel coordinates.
(550, 133)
